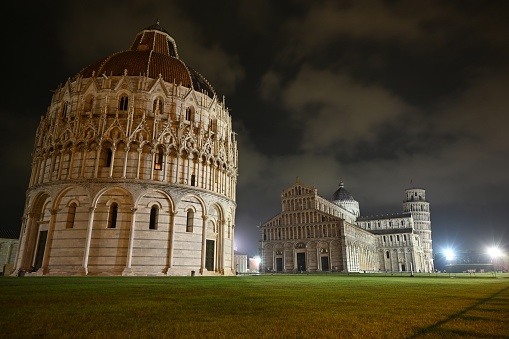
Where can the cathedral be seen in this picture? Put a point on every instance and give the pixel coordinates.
(134, 171)
(314, 234)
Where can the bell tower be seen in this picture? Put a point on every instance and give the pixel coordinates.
(416, 204)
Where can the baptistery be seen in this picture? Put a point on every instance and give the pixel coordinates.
(134, 171)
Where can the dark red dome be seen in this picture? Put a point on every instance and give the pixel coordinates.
(153, 53)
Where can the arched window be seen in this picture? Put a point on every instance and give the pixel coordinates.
(154, 214)
(123, 104)
(189, 221)
(158, 106)
(387, 254)
(158, 160)
(112, 215)
(109, 155)
(65, 108)
(189, 113)
(71, 214)
(89, 101)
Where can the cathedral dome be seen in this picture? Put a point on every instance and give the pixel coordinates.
(153, 53)
(342, 194)
(344, 199)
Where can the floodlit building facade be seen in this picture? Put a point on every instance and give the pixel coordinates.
(315, 234)
(240, 262)
(134, 171)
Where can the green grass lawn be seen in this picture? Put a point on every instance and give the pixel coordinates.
(264, 306)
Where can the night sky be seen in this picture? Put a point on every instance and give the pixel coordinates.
(383, 95)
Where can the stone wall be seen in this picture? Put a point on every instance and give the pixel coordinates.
(8, 248)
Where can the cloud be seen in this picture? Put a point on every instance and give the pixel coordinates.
(336, 109)
(222, 70)
(373, 19)
(270, 86)
(87, 37)
(328, 21)
(264, 176)
(252, 163)
(480, 112)
(419, 27)
(257, 15)
(464, 170)
(479, 116)
(458, 149)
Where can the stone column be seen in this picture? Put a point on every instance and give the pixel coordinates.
(43, 168)
(112, 164)
(71, 162)
(318, 258)
(330, 256)
(152, 162)
(49, 241)
(284, 258)
(22, 245)
(177, 168)
(97, 158)
(52, 164)
(140, 150)
(84, 162)
(203, 243)
(165, 165)
(128, 270)
(219, 246)
(60, 164)
(126, 159)
(294, 255)
(91, 213)
(171, 232)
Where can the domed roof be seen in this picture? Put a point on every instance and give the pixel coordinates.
(344, 199)
(342, 194)
(153, 53)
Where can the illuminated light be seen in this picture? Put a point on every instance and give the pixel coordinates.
(494, 252)
(449, 254)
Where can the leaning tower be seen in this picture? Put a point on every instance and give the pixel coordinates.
(416, 204)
